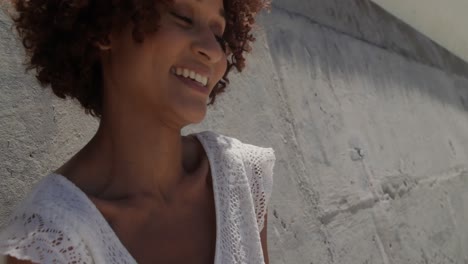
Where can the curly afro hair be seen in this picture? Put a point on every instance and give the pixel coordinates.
(59, 37)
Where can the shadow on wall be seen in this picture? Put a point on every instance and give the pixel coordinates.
(305, 49)
(368, 22)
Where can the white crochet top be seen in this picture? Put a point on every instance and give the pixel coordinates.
(57, 223)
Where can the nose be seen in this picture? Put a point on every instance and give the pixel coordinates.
(207, 47)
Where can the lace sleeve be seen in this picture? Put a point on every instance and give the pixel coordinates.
(29, 236)
(261, 162)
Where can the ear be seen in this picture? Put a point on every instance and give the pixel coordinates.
(103, 44)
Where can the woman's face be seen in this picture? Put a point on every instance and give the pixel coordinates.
(144, 78)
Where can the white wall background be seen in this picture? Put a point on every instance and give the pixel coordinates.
(446, 22)
(369, 120)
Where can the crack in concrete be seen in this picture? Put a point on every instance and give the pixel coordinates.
(369, 203)
(352, 209)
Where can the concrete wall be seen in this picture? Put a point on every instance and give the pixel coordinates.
(369, 121)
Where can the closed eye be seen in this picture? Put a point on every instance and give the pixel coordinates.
(185, 19)
(221, 40)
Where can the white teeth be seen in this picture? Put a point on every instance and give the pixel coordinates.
(201, 79)
(204, 80)
(192, 75)
(198, 78)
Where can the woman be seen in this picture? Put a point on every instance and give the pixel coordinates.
(139, 192)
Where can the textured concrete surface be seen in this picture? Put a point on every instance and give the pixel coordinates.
(369, 126)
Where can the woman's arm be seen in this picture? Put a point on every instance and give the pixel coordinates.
(263, 239)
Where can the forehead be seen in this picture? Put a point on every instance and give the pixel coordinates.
(210, 2)
(217, 5)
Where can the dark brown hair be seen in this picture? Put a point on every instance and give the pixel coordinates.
(60, 35)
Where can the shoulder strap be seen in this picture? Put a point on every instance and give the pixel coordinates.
(259, 163)
(238, 239)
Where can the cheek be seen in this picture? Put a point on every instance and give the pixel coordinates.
(169, 38)
(128, 57)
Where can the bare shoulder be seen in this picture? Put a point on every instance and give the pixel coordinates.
(12, 260)
(263, 239)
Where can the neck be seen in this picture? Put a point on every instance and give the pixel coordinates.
(135, 156)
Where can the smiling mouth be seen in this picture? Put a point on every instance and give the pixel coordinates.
(193, 84)
(191, 74)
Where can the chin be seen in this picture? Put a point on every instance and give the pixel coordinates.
(194, 115)
(195, 119)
